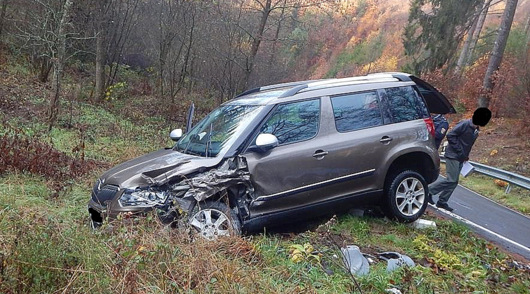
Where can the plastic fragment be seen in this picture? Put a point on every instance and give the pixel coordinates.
(355, 261)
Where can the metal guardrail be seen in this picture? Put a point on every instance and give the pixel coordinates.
(509, 177)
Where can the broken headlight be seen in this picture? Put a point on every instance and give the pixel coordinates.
(144, 198)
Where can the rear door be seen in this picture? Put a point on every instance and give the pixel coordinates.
(360, 143)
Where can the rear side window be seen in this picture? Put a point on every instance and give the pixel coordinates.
(294, 122)
(404, 104)
(356, 111)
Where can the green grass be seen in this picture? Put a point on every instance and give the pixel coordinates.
(46, 245)
(62, 253)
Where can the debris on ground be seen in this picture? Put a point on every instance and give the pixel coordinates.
(355, 261)
(396, 260)
(423, 224)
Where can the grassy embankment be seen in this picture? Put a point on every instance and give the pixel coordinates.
(46, 245)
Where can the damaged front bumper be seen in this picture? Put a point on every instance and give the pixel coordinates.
(110, 201)
(173, 200)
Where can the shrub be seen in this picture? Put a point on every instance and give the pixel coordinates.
(26, 154)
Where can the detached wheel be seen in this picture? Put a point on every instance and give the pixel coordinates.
(214, 219)
(406, 196)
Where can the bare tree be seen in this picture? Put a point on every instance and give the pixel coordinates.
(497, 53)
(265, 8)
(478, 30)
(467, 44)
(527, 32)
(3, 10)
(101, 25)
(123, 17)
(58, 63)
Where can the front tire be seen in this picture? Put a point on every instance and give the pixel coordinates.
(406, 196)
(214, 219)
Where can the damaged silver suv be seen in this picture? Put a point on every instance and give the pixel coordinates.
(288, 152)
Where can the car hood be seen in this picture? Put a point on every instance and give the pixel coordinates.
(155, 168)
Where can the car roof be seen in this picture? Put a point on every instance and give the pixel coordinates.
(268, 94)
(277, 93)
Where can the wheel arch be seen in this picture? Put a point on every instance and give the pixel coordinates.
(417, 161)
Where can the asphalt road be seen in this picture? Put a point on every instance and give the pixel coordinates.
(503, 226)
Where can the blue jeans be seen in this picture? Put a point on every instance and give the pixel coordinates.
(446, 186)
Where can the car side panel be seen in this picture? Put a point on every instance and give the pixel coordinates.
(410, 136)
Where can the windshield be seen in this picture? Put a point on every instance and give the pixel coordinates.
(218, 130)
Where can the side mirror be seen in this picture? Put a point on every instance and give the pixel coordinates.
(265, 142)
(175, 134)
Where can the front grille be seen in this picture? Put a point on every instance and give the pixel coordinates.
(105, 194)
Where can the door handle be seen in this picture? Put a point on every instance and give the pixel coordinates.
(386, 139)
(319, 154)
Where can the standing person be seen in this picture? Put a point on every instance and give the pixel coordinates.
(440, 128)
(461, 139)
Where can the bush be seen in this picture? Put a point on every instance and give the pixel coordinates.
(25, 154)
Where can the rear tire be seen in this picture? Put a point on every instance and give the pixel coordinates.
(211, 220)
(406, 196)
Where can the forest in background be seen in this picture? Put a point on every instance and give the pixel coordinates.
(85, 85)
(170, 49)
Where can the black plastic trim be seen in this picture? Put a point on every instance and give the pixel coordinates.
(255, 90)
(312, 210)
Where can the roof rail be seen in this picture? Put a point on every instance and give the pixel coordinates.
(276, 86)
(293, 91)
(249, 92)
(298, 86)
(404, 77)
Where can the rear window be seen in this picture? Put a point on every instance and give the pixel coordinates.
(404, 104)
(356, 111)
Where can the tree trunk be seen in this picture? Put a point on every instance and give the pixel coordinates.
(478, 30)
(465, 49)
(58, 63)
(100, 67)
(3, 16)
(527, 31)
(100, 50)
(277, 34)
(257, 40)
(498, 52)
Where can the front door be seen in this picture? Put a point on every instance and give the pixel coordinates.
(283, 177)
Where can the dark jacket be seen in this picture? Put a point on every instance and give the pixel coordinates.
(440, 129)
(461, 139)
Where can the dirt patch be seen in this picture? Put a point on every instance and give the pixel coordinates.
(15, 95)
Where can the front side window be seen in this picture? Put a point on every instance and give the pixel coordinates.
(294, 122)
(405, 104)
(356, 111)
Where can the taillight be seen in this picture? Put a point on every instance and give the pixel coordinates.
(430, 125)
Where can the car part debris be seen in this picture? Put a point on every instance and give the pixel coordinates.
(395, 260)
(423, 224)
(355, 261)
